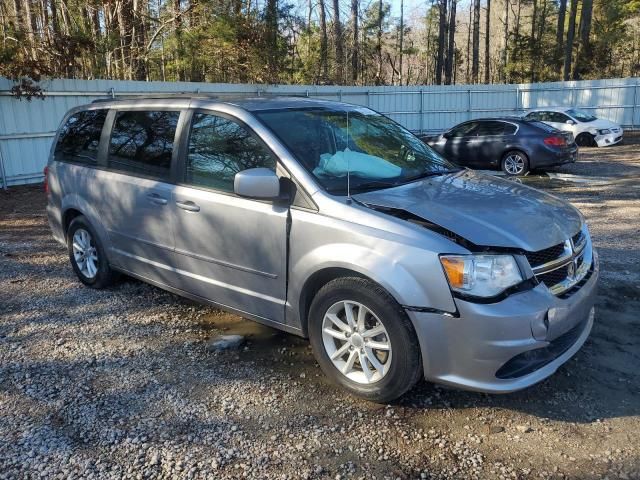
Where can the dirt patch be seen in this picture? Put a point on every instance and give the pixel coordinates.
(119, 382)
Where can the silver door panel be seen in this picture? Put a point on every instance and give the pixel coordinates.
(232, 250)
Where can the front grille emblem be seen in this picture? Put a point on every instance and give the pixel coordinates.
(571, 270)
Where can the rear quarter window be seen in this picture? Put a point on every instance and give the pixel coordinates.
(510, 129)
(79, 137)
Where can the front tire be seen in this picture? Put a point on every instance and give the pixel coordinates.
(586, 140)
(87, 255)
(515, 163)
(363, 339)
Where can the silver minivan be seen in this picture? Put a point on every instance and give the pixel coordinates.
(332, 222)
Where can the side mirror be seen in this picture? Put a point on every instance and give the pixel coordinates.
(570, 122)
(260, 183)
(447, 135)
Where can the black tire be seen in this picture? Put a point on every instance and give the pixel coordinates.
(513, 158)
(104, 275)
(585, 140)
(405, 367)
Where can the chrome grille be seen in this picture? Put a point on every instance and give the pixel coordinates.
(563, 266)
(545, 256)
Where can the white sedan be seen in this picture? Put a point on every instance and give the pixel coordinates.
(589, 131)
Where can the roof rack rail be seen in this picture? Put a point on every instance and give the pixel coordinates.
(156, 96)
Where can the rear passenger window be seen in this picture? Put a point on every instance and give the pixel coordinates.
(220, 148)
(142, 143)
(489, 128)
(80, 137)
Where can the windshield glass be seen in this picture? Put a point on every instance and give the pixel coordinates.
(376, 151)
(581, 116)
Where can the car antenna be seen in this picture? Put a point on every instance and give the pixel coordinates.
(348, 164)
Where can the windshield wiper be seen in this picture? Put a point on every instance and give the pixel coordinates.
(361, 187)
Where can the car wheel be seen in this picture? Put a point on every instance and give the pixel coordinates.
(515, 163)
(87, 255)
(363, 339)
(585, 140)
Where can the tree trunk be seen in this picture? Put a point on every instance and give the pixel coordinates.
(505, 52)
(379, 44)
(18, 15)
(442, 35)
(28, 28)
(584, 50)
(44, 12)
(339, 42)
(469, 44)
(449, 67)
(475, 65)
(177, 30)
(271, 19)
(354, 54)
(487, 66)
(516, 52)
(533, 46)
(401, 38)
(560, 35)
(568, 50)
(323, 41)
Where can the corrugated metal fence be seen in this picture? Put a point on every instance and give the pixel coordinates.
(26, 128)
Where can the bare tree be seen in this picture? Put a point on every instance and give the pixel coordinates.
(505, 51)
(401, 38)
(354, 54)
(568, 50)
(475, 64)
(379, 44)
(450, 63)
(338, 41)
(442, 35)
(323, 41)
(584, 49)
(487, 37)
(562, 7)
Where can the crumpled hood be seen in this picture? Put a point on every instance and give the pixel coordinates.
(485, 210)
(601, 123)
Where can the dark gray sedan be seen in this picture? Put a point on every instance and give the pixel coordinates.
(511, 144)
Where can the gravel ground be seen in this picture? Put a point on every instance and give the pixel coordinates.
(120, 383)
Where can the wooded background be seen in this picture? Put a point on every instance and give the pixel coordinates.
(342, 42)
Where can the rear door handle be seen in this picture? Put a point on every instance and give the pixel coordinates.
(156, 199)
(188, 205)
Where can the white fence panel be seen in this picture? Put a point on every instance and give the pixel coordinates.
(26, 128)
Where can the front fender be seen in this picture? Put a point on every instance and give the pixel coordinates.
(413, 276)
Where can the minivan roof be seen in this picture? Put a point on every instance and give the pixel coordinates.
(251, 104)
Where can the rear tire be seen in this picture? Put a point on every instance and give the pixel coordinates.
(586, 140)
(376, 332)
(515, 163)
(87, 255)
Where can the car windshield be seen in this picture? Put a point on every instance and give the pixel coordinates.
(581, 116)
(374, 150)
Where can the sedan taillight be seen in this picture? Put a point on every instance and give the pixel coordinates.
(555, 141)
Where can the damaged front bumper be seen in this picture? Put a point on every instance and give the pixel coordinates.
(508, 345)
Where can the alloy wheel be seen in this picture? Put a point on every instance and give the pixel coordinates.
(356, 341)
(514, 164)
(85, 253)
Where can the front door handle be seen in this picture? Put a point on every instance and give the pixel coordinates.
(156, 199)
(188, 205)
